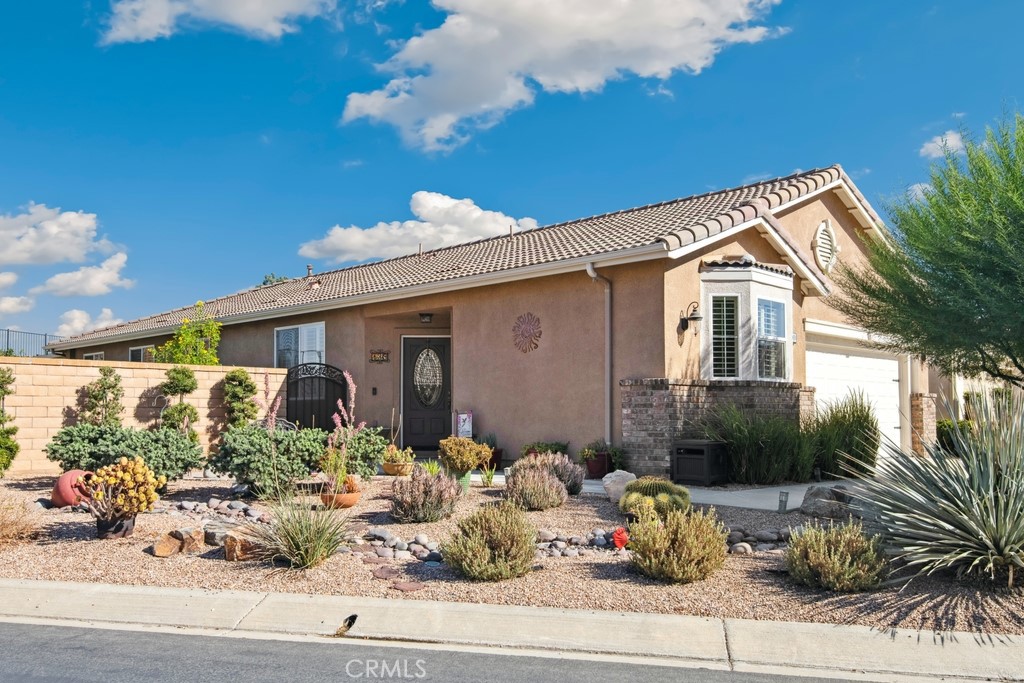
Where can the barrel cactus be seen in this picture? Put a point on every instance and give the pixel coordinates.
(662, 494)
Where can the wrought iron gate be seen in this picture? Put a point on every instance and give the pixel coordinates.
(313, 393)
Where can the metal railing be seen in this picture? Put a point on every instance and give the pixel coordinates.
(18, 343)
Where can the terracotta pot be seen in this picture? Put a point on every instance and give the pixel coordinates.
(497, 455)
(398, 469)
(340, 501)
(597, 466)
(66, 490)
(115, 528)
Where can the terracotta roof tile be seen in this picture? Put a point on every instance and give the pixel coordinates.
(674, 223)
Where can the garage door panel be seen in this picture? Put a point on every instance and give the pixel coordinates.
(834, 373)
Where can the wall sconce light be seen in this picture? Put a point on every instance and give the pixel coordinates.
(426, 318)
(690, 316)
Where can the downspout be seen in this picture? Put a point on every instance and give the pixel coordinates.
(607, 349)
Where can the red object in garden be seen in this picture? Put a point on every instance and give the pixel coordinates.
(67, 490)
(620, 538)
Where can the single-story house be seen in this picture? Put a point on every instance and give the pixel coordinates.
(623, 326)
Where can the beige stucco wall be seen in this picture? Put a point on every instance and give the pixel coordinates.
(46, 393)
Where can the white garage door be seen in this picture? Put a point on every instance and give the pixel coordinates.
(835, 372)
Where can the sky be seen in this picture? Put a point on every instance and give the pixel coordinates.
(158, 152)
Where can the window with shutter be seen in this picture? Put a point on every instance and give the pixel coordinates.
(299, 344)
(724, 336)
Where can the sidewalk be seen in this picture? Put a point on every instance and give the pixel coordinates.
(823, 650)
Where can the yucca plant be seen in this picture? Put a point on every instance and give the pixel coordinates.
(300, 534)
(964, 514)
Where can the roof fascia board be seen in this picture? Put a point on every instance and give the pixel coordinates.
(637, 254)
(861, 213)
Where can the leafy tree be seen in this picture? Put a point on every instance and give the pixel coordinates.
(8, 446)
(195, 342)
(273, 279)
(949, 284)
(239, 390)
(102, 404)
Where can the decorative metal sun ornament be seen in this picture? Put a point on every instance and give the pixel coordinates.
(526, 332)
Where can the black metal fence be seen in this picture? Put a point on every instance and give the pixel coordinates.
(18, 343)
(313, 393)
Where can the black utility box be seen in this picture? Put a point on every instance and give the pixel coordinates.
(699, 462)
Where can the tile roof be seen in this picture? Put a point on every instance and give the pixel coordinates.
(674, 224)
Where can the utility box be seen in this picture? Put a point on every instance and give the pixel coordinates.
(699, 462)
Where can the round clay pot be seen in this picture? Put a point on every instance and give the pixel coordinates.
(398, 469)
(115, 528)
(66, 490)
(340, 501)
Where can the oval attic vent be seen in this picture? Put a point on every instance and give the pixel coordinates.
(825, 247)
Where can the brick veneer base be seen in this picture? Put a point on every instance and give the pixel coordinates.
(656, 412)
(922, 421)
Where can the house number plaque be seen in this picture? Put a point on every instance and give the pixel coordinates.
(380, 356)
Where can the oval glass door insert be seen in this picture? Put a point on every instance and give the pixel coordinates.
(427, 378)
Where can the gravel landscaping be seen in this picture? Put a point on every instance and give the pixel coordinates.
(749, 587)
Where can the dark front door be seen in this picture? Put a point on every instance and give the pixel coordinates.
(426, 392)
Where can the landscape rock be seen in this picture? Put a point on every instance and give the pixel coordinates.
(408, 586)
(821, 501)
(379, 533)
(192, 539)
(386, 573)
(237, 505)
(545, 536)
(403, 555)
(434, 556)
(767, 535)
(741, 549)
(433, 545)
(735, 537)
(385, 552)
(238, 548)
(570, 552)
(422, 540)
(253, 513)
(215, 535)
(764, 547)
(44, 503)
(615, 484)
(166, 545)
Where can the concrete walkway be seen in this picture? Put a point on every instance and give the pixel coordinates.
(840, 652)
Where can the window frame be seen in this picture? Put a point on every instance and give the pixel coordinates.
(95, 355)
(781, 340)
(142, 358)
(299, 327)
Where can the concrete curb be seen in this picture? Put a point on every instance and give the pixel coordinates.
(824, 650)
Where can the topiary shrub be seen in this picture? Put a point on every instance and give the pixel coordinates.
(180, 416)
(239, 390)
(682, 548)
(8, 446)
(492, 544)
(249, 455)
(101, 400)
(837, 558)
(424, 497)
(657, 491)
(569, 473)
(534, 488)
(88, 447)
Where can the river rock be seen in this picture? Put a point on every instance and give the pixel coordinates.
(741, 549)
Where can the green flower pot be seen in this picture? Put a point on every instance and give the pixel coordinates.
(464, 479)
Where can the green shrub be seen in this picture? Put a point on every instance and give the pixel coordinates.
(89, 447)
(837, 558)
(964, 514)
(545, 447)
(423, 497)
(494, 543)
(432, 466)
(762, 450)
(365, 451)
(239, 390)
(656, 491)
(248, 454)
(101, 404)
(682, 548)
(181, 418)
(8, 446)
(195, 342)
(945, 434)
(846, 433)
(534, 488)
(569, 473)
(461, 454)
(299, 534)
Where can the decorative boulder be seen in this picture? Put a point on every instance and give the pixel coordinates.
(615, 484)
(238, 548)
(821, 501)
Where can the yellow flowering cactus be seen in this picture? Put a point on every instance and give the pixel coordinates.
(122, 490)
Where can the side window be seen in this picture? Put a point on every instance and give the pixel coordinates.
(141, 354)
(771, 339)
(724, 337)
(299, 344)
(93, 356)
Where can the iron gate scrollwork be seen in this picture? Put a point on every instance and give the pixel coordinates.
(313, 393)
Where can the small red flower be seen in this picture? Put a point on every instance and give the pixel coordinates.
(620, 538)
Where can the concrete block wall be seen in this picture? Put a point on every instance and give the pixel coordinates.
(46, 398)
(656, 412)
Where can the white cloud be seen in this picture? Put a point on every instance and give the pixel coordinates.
(442, 221)
(490, 57)
(7, 279)
(16, 304)
(77, 321)
(88, 280)
(917, 191)
(936, 147)
(45, 235)
(959, 114)
(141, 20)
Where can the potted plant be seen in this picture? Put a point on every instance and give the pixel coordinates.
(341, 490)
(597, 457)
(497, 454)
(398, 463)
(116, 493)
(460, 455)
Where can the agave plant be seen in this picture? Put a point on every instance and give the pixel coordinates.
(963, 508)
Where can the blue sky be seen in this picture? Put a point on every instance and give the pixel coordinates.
(156, 152)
